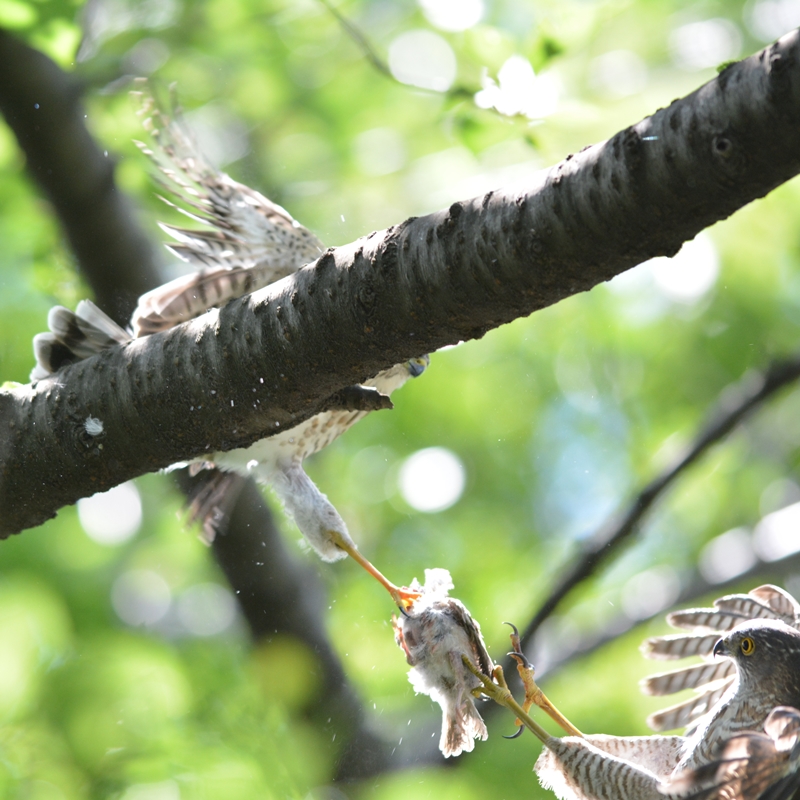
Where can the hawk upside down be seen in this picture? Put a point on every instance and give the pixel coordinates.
(247, 243)
(743, 743)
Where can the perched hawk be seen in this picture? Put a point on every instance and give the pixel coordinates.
(743, 745)
(246, 243)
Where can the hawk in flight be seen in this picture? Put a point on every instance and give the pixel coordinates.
(743, 742)
(246, 242)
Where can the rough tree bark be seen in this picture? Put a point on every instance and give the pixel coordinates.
(273, 358)
(276, 594)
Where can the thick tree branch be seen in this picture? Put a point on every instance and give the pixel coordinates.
(751, 395)
(276, 593)
(271, 359)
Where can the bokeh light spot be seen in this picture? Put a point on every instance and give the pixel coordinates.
(421, 58)
(700, 45)
(206, 609)
(432, 479)
(770, 19)
(778, 534)
(111, 517)
(727, 555)
(140, 597)
(618, 73)
(689, 274)
(650, 591)
(452, 15)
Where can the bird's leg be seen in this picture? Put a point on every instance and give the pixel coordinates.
(402, 596)
(498, 690)
(533, 694)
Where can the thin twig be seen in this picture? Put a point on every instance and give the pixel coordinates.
(698, 587)
(371, 54)
(360, 39)
(615, 532)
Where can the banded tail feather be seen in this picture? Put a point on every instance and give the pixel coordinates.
(672, 647)
(74, 336)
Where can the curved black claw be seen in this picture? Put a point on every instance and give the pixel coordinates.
(522, 659)
(513, 627)
(515, 735)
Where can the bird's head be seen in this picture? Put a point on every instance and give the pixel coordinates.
(416, 366)
(766, 652)
(394, 377)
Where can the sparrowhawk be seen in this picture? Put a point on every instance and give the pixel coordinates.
(246, 243)
(743, 747)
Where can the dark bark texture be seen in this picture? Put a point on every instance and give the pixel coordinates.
(276, 593)
(272, 359)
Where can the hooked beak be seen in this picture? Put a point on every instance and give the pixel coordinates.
(720, 649)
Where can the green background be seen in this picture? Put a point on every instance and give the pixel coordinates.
(557, 418)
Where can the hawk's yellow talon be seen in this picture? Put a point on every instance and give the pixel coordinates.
(534, 696)
(403, 597)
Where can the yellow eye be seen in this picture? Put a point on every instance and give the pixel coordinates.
(747, 646)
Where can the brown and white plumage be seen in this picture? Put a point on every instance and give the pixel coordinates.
(434, 632)
(248, 242)
(745, 748)
(751, 766)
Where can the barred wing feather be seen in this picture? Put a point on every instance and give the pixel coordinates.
(677, 680)
(687, 713)
(249, 241)
(703, 627)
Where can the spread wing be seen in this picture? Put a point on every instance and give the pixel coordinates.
(751, 766)
(703, 627)
(246, 241)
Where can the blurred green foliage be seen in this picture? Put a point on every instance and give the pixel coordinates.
(556, 418)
